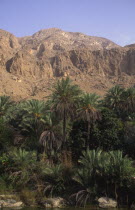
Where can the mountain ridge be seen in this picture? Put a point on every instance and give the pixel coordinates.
(29, 65)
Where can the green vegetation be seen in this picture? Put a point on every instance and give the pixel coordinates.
(73, 144)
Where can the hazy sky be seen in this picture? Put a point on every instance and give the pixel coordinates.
(112, 19)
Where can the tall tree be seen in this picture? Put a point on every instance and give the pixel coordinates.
(89, 111)
(5, 104)
(129, 101)
(32, 122)
(51, 137)
(113, 99)
(64, 101)
(33, 117)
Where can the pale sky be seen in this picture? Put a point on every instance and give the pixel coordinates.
(112, 19)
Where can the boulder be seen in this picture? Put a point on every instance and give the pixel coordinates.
(8, 201)
(54, 202)
(105, 202)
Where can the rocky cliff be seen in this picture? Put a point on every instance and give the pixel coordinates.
(29, 65)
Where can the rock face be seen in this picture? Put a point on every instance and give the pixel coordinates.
(8, 201)
(35, 62)
(105, 202)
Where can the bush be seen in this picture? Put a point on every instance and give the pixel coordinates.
(103, 172)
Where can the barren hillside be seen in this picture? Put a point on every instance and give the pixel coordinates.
(29, 65)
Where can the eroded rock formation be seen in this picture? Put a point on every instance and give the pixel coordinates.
(29, 65)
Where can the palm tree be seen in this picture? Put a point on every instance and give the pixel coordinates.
(64, 101)
(53, 180)
(22, 157)
(113, 98)
(30, 117)
(89, 111)
(51, 138)
(129, 100)
(120, 169)
(99, 168)
(5, 104)
(34, 107)
(93, 163)
(33, 117)
(21, 170)
(83, 178)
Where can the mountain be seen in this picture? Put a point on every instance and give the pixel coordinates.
(29, 65)
(130, 46)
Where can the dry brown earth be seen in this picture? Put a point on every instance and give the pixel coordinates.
(30, 65)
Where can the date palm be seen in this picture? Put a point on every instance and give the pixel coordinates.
(22, 157)
(33, 116)
(5, 104)
(92, 164)
(89, 111)
(31, 121)
(114, 98)
(51, 138)
(120, 170)
(129, 100)
(64, 101)
(53, 180)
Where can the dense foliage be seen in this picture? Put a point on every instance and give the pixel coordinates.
(74, 144)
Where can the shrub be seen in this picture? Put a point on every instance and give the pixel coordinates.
(102, 172)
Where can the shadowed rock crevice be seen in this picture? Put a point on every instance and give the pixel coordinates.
(8, 64)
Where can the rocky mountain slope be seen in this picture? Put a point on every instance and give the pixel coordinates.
(29, 65)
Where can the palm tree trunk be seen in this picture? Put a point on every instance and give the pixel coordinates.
(64, 130)
(88, 135)
(37, 139)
